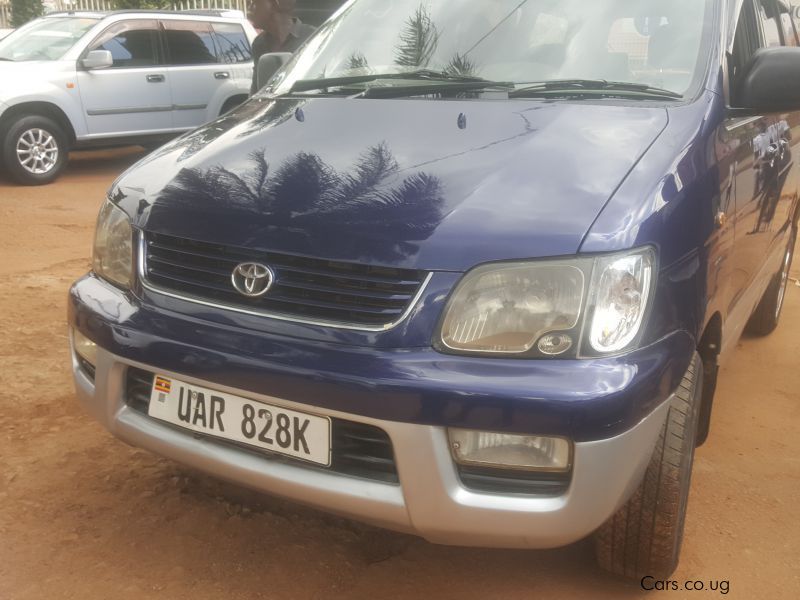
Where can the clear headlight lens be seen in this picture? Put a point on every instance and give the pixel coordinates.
(507, 308)
(506, 451)
(621, 289)
(113, 246)
(545, 308)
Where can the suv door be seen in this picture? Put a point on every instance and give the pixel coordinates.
(203, 74)
(773, 191)
(235, 52)
(789, 123)
(133, 96)
(755, 161)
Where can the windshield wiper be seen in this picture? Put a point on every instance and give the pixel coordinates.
(594, 87)
(422, 79)
(7, 59)
(400, 88)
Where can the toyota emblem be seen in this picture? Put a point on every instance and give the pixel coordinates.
(252, 279)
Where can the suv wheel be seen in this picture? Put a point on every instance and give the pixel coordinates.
(35, 150)
(765, 319)
(644, 537)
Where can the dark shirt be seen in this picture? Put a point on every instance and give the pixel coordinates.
(265, 43)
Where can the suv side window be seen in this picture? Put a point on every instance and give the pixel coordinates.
(794, 10)
(232, 43)
(190, 43)
(746, 42)
(789, 26)
(131, 43)
(767, 13)
(758, 27)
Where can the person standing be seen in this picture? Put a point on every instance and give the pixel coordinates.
(281, 31)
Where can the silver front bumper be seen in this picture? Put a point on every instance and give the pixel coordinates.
(430, 500)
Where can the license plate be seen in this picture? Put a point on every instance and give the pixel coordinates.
(230, 417)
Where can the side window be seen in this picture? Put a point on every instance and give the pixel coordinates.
(131, 43)
(232, 43)
(767, 14)
(795, 12)
(746, 42)
(789, 25)
(190, 43)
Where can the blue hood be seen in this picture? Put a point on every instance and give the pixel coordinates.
(433, 185)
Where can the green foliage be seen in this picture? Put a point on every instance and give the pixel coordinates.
(461, 65)
(357, 60)
(23, 11)
(418, 40)
(141, 4)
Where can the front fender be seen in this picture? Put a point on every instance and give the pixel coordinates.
(57, 88)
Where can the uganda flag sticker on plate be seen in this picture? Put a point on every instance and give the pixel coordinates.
(163, 385)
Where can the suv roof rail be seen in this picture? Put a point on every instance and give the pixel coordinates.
(215, 12)
(223, 13)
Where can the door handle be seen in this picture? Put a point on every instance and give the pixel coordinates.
(222, 75)
(155, 78)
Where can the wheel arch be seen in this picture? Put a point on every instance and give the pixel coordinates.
(232, 102)
(44, 109)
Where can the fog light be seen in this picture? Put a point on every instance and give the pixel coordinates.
(84, 347)
(500, 450)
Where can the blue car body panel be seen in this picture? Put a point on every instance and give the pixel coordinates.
(584, 400)
(443, 187)
(350, 181)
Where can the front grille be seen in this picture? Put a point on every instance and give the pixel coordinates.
(508, 481)
(358, 450)
(304, 288)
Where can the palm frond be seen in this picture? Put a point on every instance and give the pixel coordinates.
(461, 65)
(418, 40)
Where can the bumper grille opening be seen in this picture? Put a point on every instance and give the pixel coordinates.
(508, 481)
(358, 450)
(304, 288)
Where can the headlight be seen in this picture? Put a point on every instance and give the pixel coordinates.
(621, 289)
(545, 308)
(507, 308)
(113, 246)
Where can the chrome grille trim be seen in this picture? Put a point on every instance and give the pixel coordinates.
(150, 286)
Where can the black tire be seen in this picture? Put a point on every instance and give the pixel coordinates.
(768, 313)
(644, 537)
(52, 146)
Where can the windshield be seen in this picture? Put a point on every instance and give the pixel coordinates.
(45, 39)
(648, 42)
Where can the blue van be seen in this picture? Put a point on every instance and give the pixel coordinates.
(461, 269)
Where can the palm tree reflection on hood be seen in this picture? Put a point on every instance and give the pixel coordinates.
(305, 195)
(418, 40)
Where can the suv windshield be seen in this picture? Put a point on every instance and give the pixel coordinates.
(46, 39)
(655, 44)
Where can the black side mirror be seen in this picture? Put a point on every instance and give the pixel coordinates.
(268, 65)
(771, 81)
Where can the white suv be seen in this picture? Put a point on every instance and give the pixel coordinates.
(83, 80)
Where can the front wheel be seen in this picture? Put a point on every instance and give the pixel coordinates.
(34, 150)
(644, 537)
